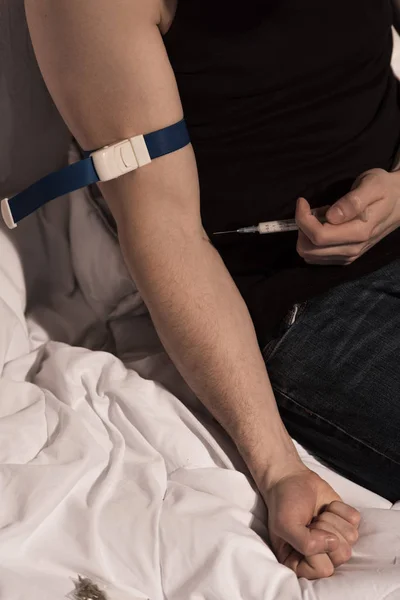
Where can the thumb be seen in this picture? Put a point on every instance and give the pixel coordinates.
(310, 541)
(354, 204)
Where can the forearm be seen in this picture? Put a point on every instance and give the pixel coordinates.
(205, 327)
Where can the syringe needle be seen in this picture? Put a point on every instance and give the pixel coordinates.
(253, 229)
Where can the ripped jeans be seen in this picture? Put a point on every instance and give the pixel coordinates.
(336, 375)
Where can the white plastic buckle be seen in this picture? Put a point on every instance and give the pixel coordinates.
(113, 161)
(7, 214)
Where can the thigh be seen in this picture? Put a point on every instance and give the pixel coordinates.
(336, 376)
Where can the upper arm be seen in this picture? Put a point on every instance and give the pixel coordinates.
(107, 69)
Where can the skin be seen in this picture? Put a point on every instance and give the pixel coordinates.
(356, 222)
(106, 67)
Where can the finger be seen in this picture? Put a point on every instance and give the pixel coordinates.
(338, 255)
(343, 527)
(309, 541)
(368, 189)
(329, 262)
(326, 234)
(341, 254)
(332, 256)
(310, 567)
(347, 512)
(316, 567)
(293, 560)
(281, 549)
(343, 552)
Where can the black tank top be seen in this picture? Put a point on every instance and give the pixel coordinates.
(284, 99)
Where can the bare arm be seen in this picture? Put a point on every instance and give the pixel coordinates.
(106, 66)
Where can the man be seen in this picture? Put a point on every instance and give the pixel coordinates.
(283, 100)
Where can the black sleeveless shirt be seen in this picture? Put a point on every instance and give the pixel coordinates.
(284, 99)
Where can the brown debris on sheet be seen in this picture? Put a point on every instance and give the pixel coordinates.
(86, 590)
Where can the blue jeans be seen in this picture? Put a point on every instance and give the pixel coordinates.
(335, 371)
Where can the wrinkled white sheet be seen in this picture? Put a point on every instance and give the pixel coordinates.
(104, 472)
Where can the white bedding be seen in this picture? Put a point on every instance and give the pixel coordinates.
(106, 473)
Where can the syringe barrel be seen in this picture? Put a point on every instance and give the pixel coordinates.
(278, 226)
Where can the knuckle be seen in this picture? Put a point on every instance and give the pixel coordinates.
(307, 548)
(326, 570)
(317, 238)
(352, 536)
(355, 517)
(303, 546)
(378, 181)
(343, 555)
(375, 175)
(354, 201)
(377, 172)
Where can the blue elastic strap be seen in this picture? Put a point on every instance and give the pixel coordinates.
(83, 173)
(52, 186)
(167, 140)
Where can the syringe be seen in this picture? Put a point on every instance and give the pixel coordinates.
(271, 226)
